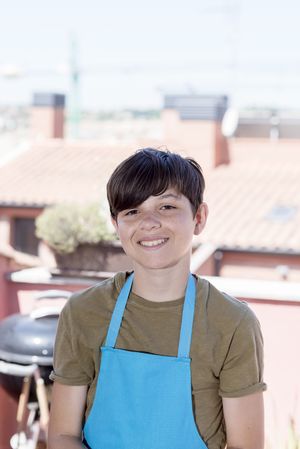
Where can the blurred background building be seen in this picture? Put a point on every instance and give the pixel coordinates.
(218, 82)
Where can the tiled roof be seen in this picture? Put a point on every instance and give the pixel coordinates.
(254, 202)
(57, 172)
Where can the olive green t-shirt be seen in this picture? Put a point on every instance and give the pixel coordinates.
(226, 350)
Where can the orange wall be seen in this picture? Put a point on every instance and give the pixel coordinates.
(281, 331)
(259, 259)
(260, 266)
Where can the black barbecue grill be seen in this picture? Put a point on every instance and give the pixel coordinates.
(27, 340)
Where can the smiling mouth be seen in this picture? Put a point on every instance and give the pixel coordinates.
(152, 243)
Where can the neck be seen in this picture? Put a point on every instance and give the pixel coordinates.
(160, 285)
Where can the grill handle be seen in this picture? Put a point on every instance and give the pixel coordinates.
(53, 294)
(43, 312)
(17, 370)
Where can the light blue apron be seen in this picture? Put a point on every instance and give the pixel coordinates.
(142, 400)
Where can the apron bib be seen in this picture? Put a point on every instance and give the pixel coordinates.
(142, 400)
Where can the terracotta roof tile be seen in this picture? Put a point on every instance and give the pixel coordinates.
(58, 171)
(254, 202)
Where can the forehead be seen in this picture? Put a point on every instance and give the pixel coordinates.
(170, 193)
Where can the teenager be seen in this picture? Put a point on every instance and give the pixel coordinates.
(157, 358)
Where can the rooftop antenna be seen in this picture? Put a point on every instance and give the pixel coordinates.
(230, 10)
(74, 101)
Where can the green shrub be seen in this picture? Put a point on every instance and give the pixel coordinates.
(65, 226)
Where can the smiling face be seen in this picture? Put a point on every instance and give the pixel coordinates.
(158, 233)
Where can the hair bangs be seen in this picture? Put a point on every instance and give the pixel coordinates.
(151, 172)
(141, 181)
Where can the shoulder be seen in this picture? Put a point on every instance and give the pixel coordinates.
(231, 338)
(96, 299)
(222, 310)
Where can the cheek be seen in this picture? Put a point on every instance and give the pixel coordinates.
(185, 223)
(124, 233)
(120, 234)
(186, 229)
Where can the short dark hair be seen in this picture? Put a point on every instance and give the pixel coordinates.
(151, 172)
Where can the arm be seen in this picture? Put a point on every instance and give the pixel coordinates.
(244, 421)
(66, 416)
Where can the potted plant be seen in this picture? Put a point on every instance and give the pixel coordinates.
(80, 238)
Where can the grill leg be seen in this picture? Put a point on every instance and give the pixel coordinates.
(32, 432)
(22, 405)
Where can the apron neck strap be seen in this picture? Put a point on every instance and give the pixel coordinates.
(186, 322)
(118, 312)
(187, 318)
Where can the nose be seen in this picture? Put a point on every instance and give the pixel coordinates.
(150, 221)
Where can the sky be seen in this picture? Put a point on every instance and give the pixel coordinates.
(133, 52)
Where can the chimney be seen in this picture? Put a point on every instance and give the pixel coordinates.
(47, 115)
(221, 148)
(195, 121)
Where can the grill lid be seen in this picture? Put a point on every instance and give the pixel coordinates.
(28, 339)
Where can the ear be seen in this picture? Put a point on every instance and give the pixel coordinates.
(200, 218)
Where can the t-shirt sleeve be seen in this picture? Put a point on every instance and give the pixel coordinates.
(69, 365)
(242, 371)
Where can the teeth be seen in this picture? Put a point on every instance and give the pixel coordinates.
(152, 242)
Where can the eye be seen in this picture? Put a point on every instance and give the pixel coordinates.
(131, 212)
(167, 207)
